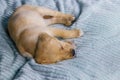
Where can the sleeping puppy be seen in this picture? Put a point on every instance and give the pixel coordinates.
(30, 29)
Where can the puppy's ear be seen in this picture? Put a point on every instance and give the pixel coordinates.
(43, 60)
(40, 61)
(44, 36)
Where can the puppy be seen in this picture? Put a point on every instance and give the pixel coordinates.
(30, 29)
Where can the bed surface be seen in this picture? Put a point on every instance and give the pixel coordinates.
(97, 53)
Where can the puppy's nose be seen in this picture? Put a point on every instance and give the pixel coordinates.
(73, 52)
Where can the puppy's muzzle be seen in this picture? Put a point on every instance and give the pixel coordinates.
(73, 52)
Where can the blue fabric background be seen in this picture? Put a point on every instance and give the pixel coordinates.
(98, 51)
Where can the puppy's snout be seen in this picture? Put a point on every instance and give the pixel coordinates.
(73, 52)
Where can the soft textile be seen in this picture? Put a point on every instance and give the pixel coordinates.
(97, 52)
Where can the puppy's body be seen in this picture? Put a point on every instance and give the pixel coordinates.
(25, 28)
(29, 28)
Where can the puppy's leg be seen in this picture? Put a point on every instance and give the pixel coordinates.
(23, 52)
(51, 16)
(66, 33)
(65, 19)
(54, 17)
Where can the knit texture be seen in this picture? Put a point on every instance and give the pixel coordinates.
(97, 52)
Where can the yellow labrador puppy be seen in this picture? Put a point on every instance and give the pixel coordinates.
(29, 27)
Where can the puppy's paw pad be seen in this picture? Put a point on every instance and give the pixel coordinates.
(69, 19)
(68, 23)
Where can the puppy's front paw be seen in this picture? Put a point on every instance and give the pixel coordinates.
(69, 19)
(78, 33)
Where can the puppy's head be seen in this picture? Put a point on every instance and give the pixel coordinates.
(52, 50)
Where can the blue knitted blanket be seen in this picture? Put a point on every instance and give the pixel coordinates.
(97, 53)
